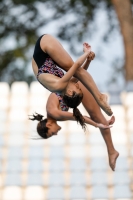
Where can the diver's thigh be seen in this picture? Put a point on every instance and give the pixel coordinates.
(55, 50)
(88, 101)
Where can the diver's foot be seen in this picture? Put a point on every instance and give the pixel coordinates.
(102, 101)
(112, 159)
(112, 120)
(86, 47)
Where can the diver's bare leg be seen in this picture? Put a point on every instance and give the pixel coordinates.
(89, 83)
(95, 113)
(55, 50)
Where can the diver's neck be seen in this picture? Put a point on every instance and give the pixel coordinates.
(50, 119)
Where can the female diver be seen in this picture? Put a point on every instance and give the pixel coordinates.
(56, 111)
(48, 53)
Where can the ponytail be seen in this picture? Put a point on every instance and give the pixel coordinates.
(79, 117)
(73, 102)
(41, 126)
(37, 117)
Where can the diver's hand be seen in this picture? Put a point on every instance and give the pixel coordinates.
(91, 56)
(112, 120)
(102, 126)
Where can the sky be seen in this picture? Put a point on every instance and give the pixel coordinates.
(100, 68)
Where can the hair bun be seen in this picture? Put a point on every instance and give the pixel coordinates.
(37, 117)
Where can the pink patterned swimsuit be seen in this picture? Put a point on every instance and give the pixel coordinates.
(50, 67)
(44, 61)
(63, 105)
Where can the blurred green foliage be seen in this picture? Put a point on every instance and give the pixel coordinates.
(20, 21)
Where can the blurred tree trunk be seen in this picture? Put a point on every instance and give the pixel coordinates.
(124, 13)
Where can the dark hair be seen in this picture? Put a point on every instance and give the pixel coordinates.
(73, 102)
(41, 126)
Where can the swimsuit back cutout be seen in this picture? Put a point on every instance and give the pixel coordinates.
(63, 105)
(39, 55)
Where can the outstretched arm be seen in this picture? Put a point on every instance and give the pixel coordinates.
(54, 112)
(64, 116)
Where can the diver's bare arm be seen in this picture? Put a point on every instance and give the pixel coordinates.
(73, 69)
(54, 112)
(60, 115)
(55, 84)
(85, 65)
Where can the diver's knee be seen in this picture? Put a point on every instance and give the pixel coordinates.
(79, 72)
(94, 117)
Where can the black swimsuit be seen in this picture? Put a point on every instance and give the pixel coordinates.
(47, 65)
(44, 62)
(39, 55)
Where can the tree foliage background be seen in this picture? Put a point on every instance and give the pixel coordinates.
(20, 21)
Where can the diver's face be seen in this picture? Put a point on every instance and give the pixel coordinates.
(53, 128)
(73, 88)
